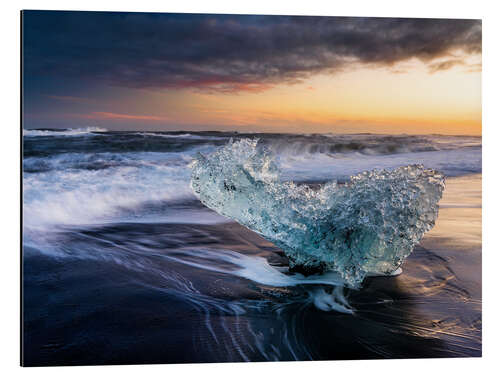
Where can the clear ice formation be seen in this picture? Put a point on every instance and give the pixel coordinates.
(368, 225)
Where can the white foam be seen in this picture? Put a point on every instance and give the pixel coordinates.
(335, 300)
(182, 136)
(72, 195)
(258, 270)
(253, 268)
(326, 166)
(63, 132)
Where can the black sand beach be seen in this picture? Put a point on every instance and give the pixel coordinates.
(126, 291)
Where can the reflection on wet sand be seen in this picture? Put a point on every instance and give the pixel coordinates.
(146, 285)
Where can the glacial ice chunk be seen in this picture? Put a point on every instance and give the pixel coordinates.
(368, 225)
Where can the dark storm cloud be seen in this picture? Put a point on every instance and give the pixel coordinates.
(228, 52)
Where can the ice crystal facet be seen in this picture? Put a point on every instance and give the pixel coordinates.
(368, 225)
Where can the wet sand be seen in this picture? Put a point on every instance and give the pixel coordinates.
(114, 296)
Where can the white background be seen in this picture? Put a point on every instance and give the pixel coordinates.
(10, 178)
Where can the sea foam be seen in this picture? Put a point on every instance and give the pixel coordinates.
(63, 132)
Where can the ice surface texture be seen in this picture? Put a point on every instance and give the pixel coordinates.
(368, 225)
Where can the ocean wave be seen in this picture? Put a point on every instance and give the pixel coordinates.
(104, 160)
(181, 136)
(364, 144)
(322, 167)
(68, 196)
(81, 180)
(284, 145)
(62, 132)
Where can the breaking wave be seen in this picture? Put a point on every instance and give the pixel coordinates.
(70, 189)
(62, 132)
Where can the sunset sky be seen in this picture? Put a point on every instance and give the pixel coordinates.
(124, 71)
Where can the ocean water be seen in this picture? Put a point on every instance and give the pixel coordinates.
(122, 264)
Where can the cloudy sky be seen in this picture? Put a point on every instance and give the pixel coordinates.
(160, 71)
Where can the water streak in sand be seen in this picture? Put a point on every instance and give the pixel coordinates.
(114, 236)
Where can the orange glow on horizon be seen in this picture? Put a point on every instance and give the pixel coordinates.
(410, 99)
